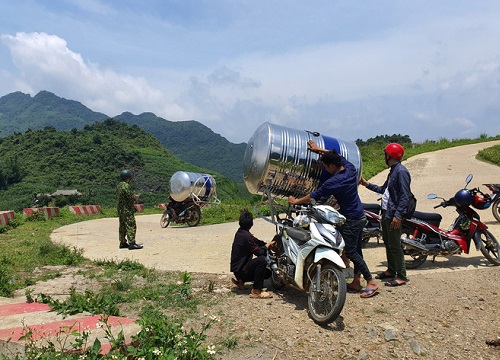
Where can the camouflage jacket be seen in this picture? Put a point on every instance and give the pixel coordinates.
(126, 197)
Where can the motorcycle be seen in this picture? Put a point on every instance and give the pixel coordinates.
(495, 199)
(187, 212)
(422, 236)
(307, 258)
(373, 227)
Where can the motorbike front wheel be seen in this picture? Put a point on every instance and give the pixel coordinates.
(495, 208)
(165, 219)
(490, 247)
(194, 216)
(326, 302)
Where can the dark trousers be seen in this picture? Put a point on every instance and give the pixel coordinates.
(394, 251)
(352, 232)
(255, 270)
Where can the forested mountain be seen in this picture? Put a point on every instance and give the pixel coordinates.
(188, 140)
(193, 142)
(89, 160)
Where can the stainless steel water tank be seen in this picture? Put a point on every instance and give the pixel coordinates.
(277, 157)
(188, 184)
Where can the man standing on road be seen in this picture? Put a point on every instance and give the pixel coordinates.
(395, 200)
(343, 185)
(126, 211)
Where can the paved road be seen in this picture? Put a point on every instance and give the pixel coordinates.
(207, 248)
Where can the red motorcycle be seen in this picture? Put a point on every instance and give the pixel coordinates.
(373, 227)
(422, 236)
(495, 199)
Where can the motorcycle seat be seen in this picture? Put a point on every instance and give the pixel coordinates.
(429, 217)
(372, 207)
(298, 234)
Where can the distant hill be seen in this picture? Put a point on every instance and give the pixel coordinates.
(89, 160)
(189, 140)
(193, 142)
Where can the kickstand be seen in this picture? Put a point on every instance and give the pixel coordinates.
(434, 258)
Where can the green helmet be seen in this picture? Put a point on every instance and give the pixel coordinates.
(126, 174)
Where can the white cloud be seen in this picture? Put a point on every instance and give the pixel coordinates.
(46, 63)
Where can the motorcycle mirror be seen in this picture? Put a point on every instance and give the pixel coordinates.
(468, 179)
(431, 196)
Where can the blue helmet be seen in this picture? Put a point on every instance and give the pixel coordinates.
(464, 198)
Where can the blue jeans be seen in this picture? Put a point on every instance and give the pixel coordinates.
(352, 232)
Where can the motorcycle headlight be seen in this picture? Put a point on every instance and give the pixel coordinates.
(331, 215)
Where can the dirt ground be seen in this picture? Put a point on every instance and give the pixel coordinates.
(448, 310)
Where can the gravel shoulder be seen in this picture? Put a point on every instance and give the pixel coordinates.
(448, 310)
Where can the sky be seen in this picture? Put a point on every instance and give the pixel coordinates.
(348, 69)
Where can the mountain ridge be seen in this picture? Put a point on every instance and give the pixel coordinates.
(189, 140)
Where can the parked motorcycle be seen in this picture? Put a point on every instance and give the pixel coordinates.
(373, 226)
(307, 258)
(422, 236)
(495, 199)
(186, 212)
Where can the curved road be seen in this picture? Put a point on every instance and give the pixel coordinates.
(207, 248)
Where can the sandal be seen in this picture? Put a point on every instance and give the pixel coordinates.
(384, 275)
(368, 293)
(239, 283)
(262, 295)
(394, 283)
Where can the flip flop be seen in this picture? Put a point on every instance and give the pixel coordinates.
(394, 283)
(384, 275)
(262, 295)
(368, 293)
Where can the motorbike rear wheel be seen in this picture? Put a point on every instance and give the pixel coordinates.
(490, 247)
(165, 219)
(326, 303)
(194, 216)
(495, 208)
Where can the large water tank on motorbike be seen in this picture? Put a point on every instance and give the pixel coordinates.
(277, 157)
(185, 184)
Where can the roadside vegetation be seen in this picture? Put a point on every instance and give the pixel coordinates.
(162, 301)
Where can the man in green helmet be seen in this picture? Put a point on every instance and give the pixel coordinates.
(126, 211)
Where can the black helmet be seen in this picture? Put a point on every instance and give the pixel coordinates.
(126, 174)
(464, 198)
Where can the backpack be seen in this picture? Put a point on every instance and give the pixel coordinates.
(412, 205)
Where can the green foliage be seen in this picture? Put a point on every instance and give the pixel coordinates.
(160, 337)
(6, 278)
(89, 161)
(385, 139)
(104, 303)
(491, 155)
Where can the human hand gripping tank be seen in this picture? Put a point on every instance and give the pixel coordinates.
(277, 157)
